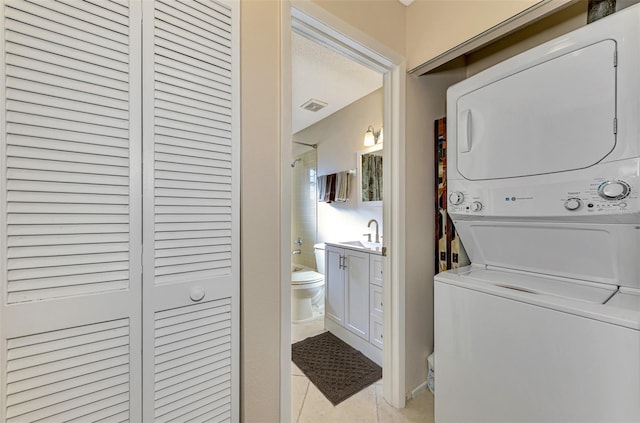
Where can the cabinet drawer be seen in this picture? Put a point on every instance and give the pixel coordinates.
(376, 331)
(375, 300)
(375, 271)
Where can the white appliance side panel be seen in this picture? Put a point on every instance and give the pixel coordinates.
(538, 365)
(534, 121)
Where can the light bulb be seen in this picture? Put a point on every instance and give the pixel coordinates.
(369, 139)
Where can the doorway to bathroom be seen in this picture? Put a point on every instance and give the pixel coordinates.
(306, 23)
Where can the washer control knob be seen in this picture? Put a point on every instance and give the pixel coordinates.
(572, 204)
(614, 190)
(476, 206)
(456, 198)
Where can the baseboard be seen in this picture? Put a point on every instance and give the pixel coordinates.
(417, 390)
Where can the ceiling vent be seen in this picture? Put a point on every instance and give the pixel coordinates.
(314, 105)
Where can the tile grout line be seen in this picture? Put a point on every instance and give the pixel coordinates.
(375, 392)
(304, 399)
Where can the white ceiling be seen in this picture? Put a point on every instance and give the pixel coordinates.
(325, 75)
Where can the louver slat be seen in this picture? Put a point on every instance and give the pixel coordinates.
(192, 139)
(79, 26)
(192, 361)
(68, 373)
(67, 159)
(82, 13)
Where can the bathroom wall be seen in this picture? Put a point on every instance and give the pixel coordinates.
(339, 138)
(303, 208)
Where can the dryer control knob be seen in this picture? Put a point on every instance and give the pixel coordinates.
(456, 198)
(476, 206)
(572, 204)
(614, 190)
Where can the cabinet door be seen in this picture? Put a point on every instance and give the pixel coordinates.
(357, 293)
(334, 285)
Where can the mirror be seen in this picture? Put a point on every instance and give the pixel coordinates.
(370, 191)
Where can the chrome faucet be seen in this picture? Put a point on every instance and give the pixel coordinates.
(377, 232)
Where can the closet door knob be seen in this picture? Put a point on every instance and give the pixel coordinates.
(196, 293)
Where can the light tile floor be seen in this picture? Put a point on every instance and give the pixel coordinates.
(309, 405)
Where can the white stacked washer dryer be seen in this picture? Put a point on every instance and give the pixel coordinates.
(544, 183)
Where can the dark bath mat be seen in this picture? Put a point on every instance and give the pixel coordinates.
(337, 370)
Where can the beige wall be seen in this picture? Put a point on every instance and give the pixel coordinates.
(260, 194)
(260, 211)
(383, 20)
(435, 26)
(339, 138)
(560, 23)
(425, 103)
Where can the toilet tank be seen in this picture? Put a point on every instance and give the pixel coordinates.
(318, 250)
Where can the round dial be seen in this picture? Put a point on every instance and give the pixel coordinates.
(614, 190)
(572, 204)
(476, 206)
(456, 198)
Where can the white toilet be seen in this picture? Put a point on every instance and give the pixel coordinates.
(307, 289)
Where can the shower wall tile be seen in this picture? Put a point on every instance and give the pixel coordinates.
(303, 208)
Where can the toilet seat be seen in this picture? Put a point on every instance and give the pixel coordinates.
(306, 277)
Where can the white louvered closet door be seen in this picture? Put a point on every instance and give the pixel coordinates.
(191, 198)
(70, 211)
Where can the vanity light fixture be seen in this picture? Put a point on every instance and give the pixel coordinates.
(372, 137)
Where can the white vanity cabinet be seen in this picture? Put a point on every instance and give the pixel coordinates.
(347, 289)
(356, 290)
(334, 284)
(353, 298)
(376, 304)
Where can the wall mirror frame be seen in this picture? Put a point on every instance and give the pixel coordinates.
(375, 150)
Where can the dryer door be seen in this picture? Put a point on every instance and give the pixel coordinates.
(552, 117)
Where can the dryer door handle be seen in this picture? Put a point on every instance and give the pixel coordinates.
(464, 131)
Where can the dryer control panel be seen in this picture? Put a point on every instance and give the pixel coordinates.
(551, 196)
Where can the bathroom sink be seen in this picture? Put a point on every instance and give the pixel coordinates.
(353, 244)
(375, 246)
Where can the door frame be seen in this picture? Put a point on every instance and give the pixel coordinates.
(316, 23)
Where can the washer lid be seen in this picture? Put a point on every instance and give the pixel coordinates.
(626, 298)
(308, 276)
(542, 285)
(581, 298)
